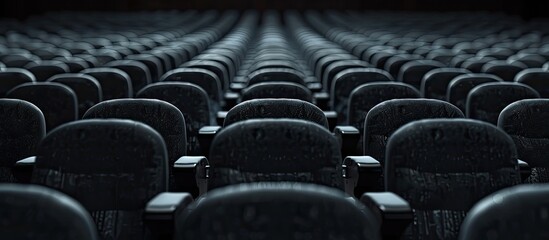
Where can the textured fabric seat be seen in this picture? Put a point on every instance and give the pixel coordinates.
(22, 126)
(460, 86)
(138, 72)
(219, 69)
(334, 68)
(536, 78)
(278, 211)
(206, 79)
(57, 102)
(276, 108)
(162, 116)
(442, 167)
(193, 103)
(12, 77)
(395, 63)
(275, 150)
(87, 88)
(512, 213)
(153, 63)
(33, 212)
(503, 69)
(276, 90)
(112, 167)
(115, 83)
(435, 82)
(486, 101)
(46, 69)
(412, 72)
(275, 75)
(526, 122)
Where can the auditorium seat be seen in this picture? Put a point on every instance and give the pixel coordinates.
(421, 166)
(503, 69)
(412, 72)
(435, 82)
(460, 86)
(35, 212)
(206, 79)
(276, 75)
(278, 211)
(153, 63)
(12, 77)
(115, 83)
(536, 78)
(525, 121)
(87, 89)
(486, 101)
(138, 72)
(60, 107)
(43, 70)
(276, 90)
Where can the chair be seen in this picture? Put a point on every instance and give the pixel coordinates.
(138, 72)
(276, 75)
(512, 213)
(35, 212)
(191, 100)
(12, 77)
(525, 121)
(442, 167)
(57, 102)
(460, 86)
(278, 211)
(115, 83)
(276, 90)
(46, 69)
(435, 82)
(87, 88)
(22, 126)
(486, 101)
(503, 69)
(412, 72)
(536, 78)
(206, 79)
(162, 116)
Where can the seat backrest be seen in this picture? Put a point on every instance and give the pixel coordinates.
(412, 72)
(22, 126)
(57, 102)
(87, 88)
(12, 77)
(460, 86)
(442, 167)
(193, 103)
(276, 108)
(46, 69)
(276, 90)
(206, 79)
(278, 211)
(536, 78)
(486, 101)
(435, 82)
(139, 73)
(512, 213)
(35, 212)
(115, 83)
(525, 121)
(112, 167)
(387, 117)
(276, 75)
(287, 150)
(503, 69)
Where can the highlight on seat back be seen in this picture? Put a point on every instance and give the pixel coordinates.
(277, 90)
(278, 211)
(275, 150)
(35, 212)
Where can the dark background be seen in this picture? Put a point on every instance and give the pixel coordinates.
(527, 9)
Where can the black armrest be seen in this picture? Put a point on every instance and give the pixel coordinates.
(206, 135)
(348, 137)
(395, 213)
(191, 172)
(321, 100)
(231, 99)
(22, 170)
(363, 172)
(525, 170)
(162, 211)
(220, 117)
(314, 86)
(331, 116)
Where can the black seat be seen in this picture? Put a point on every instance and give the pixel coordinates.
(112, 167)
(525, 121)
(12, 77)
(422, 167)
(191, 100)
(276, 75)
(503, 69)
(435, 82)
(536, 78)
(486, 101)
(412, 72)
(276, 108)
(162, 116)
(22, 127)
(278, 211)
(459, 87)
(512, 213)
(152, 62)
(334, 68)
(87, 88)
(276, 90)
(220, 71)
(475, 64)
(206, 79)
(57, 102)
(287, 150)
(46, 69)
(115, 83)
(35, 212)
(138, 72)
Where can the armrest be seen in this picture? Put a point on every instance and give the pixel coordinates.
(314, 86)
(162, 211)
(331, 116)
(525, 169)
(237, 86)
(321, 100)
(231, 99)
(191, 172)
(206, 135)
(22, 170)
(362, 174)
(348, 137)
(395, 213)
(220, 117)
